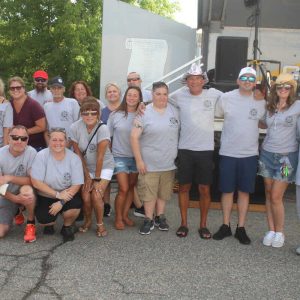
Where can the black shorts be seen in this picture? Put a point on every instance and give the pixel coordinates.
(43, 203)
(195, 166)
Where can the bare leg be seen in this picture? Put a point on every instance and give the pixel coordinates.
(183, 199)
(243, 204)
(227, 202)
(70, 216)
(4, 228)
(87, 210)
(27, 190)
(268, 189)
(149, 208)
(136, 199)
(204, 202)
(160, 206)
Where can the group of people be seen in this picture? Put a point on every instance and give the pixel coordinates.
(58, 154)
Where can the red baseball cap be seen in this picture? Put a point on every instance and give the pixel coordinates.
(40, 74)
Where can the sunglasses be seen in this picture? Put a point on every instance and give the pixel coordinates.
(287, 87)
(40, 80)
(16, 88)
(19, 137)
(247, 78)
(57, 129)
(89, 113)
(133, 79)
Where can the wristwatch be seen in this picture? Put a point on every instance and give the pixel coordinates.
(62, 202)
(97, 179)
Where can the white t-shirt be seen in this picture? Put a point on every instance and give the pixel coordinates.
(120, 129)
(6, 118)
(41, 98)
(58, 174)
(282, 130)
(197, 118)
(240, 130)
(62, 114)
(159, 138)
(80, 136)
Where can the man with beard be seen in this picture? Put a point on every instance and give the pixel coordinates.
(40, 93)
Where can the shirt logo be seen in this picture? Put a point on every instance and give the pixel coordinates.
(67, 179)
(64, 116)
(1, 117)
(253, 114)
(288, 122)
(173, 122)
(92, 148)
(21, 170)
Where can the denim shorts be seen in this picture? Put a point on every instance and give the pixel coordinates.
(271, 165)
(125, 165)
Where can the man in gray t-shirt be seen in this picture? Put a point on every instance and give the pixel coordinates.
(15, 164)
(239, 150)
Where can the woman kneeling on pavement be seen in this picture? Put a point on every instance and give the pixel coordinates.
(279, 154)
(154, 140)
(91, 139)
(57, 176)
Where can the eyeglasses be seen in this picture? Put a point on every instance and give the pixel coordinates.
(247, 78)
(89, 113)
(19, 137)
(133, 79)
(40, 80)
(287, 87)
(15, 88)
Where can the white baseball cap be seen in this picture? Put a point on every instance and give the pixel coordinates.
(247, 70)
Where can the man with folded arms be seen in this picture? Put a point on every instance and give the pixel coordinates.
(15, 185)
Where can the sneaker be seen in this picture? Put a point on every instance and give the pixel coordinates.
(278, 240)
(19, 218)
(161, 223)
(298, 251)
(49, 230)
(29, 235)
(223, 232)
(242, 236)
(139, 212)
(268, 238)
(107, 210)
(147, 226)
(67, 233)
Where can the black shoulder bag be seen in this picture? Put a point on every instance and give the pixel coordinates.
(84, 152)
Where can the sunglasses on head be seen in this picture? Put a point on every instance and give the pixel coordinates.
(133, 79)
(89, 113)
(16, 88)
(40, 80)
(287, 87)
(19, 137)
(247, 78)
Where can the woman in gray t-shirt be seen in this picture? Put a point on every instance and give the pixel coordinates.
(120, 125)
(91, 140)
(279, 154)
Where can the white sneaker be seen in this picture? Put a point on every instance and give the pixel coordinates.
(298, 250)
(268, 238)
(278, 240)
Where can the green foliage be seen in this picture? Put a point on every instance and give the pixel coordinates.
(62, 37)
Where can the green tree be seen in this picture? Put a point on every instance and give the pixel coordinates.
(62, 37)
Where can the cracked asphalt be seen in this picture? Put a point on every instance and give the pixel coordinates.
(126, 265)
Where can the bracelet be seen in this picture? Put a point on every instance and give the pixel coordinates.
(97, 179)
(57, 195)
(62, 202)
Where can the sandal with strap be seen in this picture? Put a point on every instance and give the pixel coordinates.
(182, 231)
(204, 233)
(101, 231)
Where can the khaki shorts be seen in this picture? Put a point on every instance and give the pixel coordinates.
(154, 185)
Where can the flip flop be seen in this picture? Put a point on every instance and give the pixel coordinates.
(182, 231)
(204, 233)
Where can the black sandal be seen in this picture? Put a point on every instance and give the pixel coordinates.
(182, 231)
(204, 233)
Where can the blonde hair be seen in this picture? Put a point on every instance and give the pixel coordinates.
(2, 87)
(17, 79)
(114, 85)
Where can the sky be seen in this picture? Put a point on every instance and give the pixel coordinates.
(188, 13)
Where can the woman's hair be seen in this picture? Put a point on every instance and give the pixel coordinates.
(159, 84)
(16, 78)
(273, 99)
(123, 106)
(86, 86)
(90, 103)
(2, 88)
(58, 129)
(114, 85)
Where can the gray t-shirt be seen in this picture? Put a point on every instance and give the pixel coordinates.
(240, 130)
(159, 138)
(281, 134)
(196, 117)
(120, 128)
(62, 114)
(58, 174)
(41, 98)
(80, 136)
(16, 166)
(6, 118)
